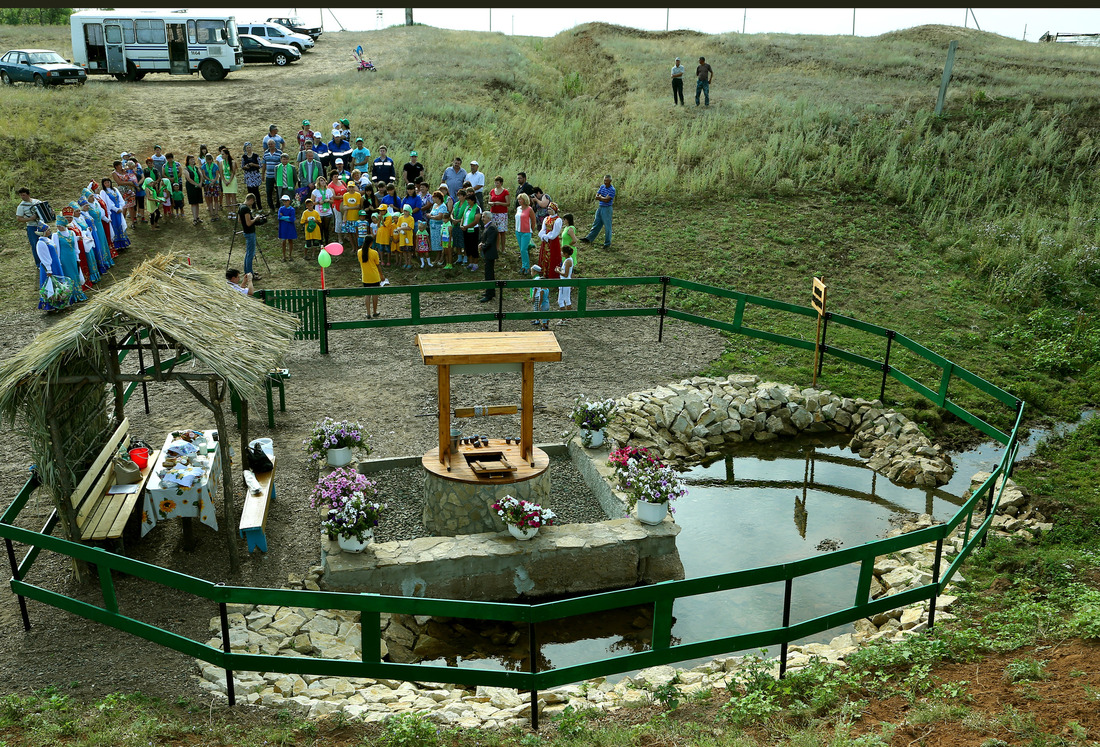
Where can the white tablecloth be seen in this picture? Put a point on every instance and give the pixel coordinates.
(169, 501)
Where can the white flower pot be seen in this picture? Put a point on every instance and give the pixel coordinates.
(523, 534)
(350, 544)
(338, 457)
(592, 439)
(651, 513)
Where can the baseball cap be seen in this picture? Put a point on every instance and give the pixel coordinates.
(413, 153)
(358, 139)
(155, 147)
(305, 123)
(536, 268)
(339, 160)
(474, 163)
(273, 127)
(285, 197)
(124, 155)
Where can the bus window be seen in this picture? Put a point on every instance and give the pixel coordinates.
(191, 33)
(113, 35)
(150, 31)
(211, 32)
(127, 30)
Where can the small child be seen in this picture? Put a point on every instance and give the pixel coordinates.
(565, 292)
(541, 299)
(382, 237)
(569, 236)
(423, 243)
(287, 230)
(364, 233)
(166, 198)
(445, 243)
(406, 235)
(311, 219)
(395, 235)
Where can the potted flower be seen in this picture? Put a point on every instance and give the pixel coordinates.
(650, 487)
(524, 519)
(353, 507)
(592, 418)
(331, 441)
(622, 457)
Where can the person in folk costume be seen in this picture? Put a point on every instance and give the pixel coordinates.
(49, 264)
(550, 249)
(99, 241)
(116, 205)
(85, 248)
(65, 241)
(152, 201)
(97, 205)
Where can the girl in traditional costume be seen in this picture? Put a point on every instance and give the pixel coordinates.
(229, 180)
(65, 241)
(152, 201)
(116, 204)
(85, 248)
(95, 227)
(49, 267)
(550, 249)
(211, 185)
(97, 206)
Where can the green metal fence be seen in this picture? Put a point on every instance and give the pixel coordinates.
(661, 596)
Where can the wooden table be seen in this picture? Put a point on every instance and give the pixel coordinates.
(482, 353)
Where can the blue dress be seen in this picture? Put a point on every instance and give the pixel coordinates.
(434, 226)
(287, 228)
(118, 204)
(70, 263)
(102, 248)
(54, 266)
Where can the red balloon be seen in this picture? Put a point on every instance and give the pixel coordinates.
(335, 249)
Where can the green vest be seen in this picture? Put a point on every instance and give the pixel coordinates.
(284, 176)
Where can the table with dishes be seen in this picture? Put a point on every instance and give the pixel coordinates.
(184, 482)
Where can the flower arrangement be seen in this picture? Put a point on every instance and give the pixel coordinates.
(591, 416)
(651, 482)
(523, 514)
(621, 458)
(355, 517)
(352, 500)
(334, 434)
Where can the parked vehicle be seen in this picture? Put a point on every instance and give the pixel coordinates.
(131, 44)
(296, 25)
(43, 67)
(257, 49)
(273, 32)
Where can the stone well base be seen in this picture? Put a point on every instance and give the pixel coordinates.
(565, 559)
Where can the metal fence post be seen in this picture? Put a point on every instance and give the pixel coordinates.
(886, 365)
(227, 649)
(141, 364)
(664, 294)
(500, 304)
(15, 575)
(534, 652)
(323, 309)
(788, 586)
(935, 581)
(824, 347)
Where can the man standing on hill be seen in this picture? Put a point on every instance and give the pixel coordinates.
(704, 75)
(413, 171)
(454, 176)
(523, 187)
(383, 169)
(605, 198)
(677, 82)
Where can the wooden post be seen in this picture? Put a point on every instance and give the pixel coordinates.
(444, 388)
(527, 414)
(113, 372)
(227, 474)
(820, 290)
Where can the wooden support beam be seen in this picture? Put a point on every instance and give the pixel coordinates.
(113, 371)
(231, 517)
(444, 389)
(527, 413)
(133, 377)
(61, 465)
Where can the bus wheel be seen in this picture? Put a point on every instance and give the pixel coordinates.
(139, 76)
(131, 73)
(211, 70)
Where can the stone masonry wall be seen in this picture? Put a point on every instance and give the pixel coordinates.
(693, 420)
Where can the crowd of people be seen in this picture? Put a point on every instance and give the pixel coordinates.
(319, 192)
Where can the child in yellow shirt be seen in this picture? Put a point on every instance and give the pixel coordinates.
(382, 237)
(406, 232)
(372, 276)
(311, 219)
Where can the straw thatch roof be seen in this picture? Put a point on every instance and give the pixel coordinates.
(232, 335)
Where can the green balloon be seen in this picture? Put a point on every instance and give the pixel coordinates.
(324, 258)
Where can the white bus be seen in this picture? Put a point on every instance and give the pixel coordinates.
(131, 44)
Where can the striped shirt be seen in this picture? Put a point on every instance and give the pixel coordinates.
(605, 192)
(271, 162)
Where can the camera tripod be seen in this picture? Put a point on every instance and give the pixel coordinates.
(233, 240)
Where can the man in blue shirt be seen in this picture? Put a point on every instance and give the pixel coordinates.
(339, 148)
(272, 158)
(605, 198)
(273, 134)
(383, 170)
(360, 156)
(321, 151)
(454, 177)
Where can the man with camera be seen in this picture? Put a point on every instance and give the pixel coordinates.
(248, 226)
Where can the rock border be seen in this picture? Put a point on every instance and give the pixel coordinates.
(691, 421)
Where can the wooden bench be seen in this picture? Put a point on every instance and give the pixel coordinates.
(99, 515)
(254, 512)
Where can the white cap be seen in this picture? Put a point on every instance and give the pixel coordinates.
(474, 163)
(339, 160)
(285, 197)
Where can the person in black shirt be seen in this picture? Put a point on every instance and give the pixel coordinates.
(488, 247)
(383, 169)
(523, 187)
(248, 226)
(413, 171)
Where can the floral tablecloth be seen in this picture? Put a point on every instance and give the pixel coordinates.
(169, 501)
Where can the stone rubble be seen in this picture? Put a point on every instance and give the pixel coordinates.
(337, 634)
(694, 420)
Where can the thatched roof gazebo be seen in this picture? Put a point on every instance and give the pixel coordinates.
(55, 390)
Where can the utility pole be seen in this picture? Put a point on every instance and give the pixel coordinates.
(1025, 32)
(853, 21)
(975, 19)
(744, 19)
(513, 24)
(490, 20)
(667, 11)
(966, 19)
(408, 16)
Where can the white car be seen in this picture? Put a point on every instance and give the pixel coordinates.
(277, 34)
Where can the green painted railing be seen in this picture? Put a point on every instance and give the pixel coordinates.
(661, 596)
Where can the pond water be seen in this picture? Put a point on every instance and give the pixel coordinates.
(758, 506)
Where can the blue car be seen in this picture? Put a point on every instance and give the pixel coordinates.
(43, 67)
